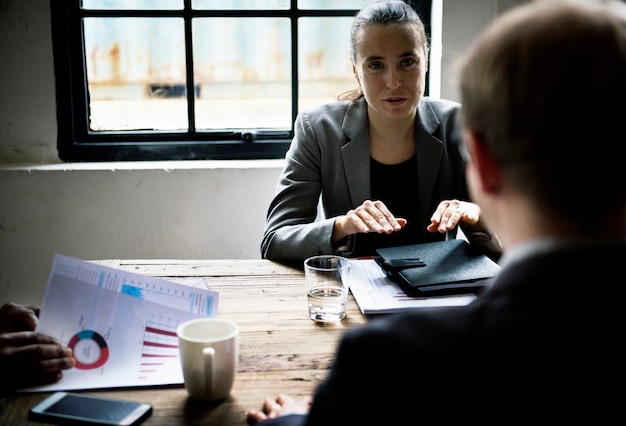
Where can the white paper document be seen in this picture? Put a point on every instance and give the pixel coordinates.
(120, 326)
(377, 294)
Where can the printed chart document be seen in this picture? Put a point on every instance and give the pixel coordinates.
(377, 294)
(120, 326)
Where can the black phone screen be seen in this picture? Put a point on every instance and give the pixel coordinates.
(90, 407)
(87, 409)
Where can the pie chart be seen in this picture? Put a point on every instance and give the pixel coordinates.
(89, 349)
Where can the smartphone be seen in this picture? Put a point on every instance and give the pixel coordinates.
(81, 409)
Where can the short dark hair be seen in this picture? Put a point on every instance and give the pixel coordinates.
(545, 87)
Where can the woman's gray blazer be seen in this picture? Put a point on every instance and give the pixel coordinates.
(330, 156)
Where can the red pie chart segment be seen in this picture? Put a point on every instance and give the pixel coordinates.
(89, 349)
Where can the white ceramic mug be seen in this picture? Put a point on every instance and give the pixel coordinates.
(209, 355)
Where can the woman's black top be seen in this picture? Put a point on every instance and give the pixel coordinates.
(392, 185)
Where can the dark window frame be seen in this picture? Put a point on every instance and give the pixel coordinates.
(76, 143)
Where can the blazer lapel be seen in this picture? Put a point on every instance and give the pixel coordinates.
(356, 152)
(428, 151)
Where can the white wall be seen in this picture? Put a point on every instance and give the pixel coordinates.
(199, 209)
(210, 211)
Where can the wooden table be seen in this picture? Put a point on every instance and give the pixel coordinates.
(281, 349)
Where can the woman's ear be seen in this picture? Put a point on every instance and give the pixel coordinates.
(356, 75)
(485, 166)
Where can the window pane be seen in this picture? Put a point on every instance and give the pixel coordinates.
(136, 73)
(242, 67)
(324, 62)
(133, 4)
(332, 4)
(240, 4)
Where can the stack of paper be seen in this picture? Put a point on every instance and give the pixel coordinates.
(377, 294)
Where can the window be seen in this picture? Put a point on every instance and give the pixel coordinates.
(195, 79)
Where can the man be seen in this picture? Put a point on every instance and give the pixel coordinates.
(543, 93)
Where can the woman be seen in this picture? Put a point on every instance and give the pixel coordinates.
(384, 158)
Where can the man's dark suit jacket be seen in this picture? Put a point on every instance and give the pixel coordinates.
(542, 346)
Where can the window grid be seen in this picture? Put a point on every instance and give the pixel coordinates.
(76, 142)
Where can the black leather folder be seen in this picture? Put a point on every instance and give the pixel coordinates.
(438, 268)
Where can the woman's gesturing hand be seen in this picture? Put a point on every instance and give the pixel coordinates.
(371, 216)
(450, 212)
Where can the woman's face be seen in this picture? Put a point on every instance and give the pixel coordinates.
(391, 69)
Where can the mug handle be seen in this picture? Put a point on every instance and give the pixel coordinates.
(209, 361)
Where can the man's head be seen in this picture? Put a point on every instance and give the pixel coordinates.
(544, 93)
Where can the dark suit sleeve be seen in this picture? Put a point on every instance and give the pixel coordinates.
(287, 420)
(367, 383)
